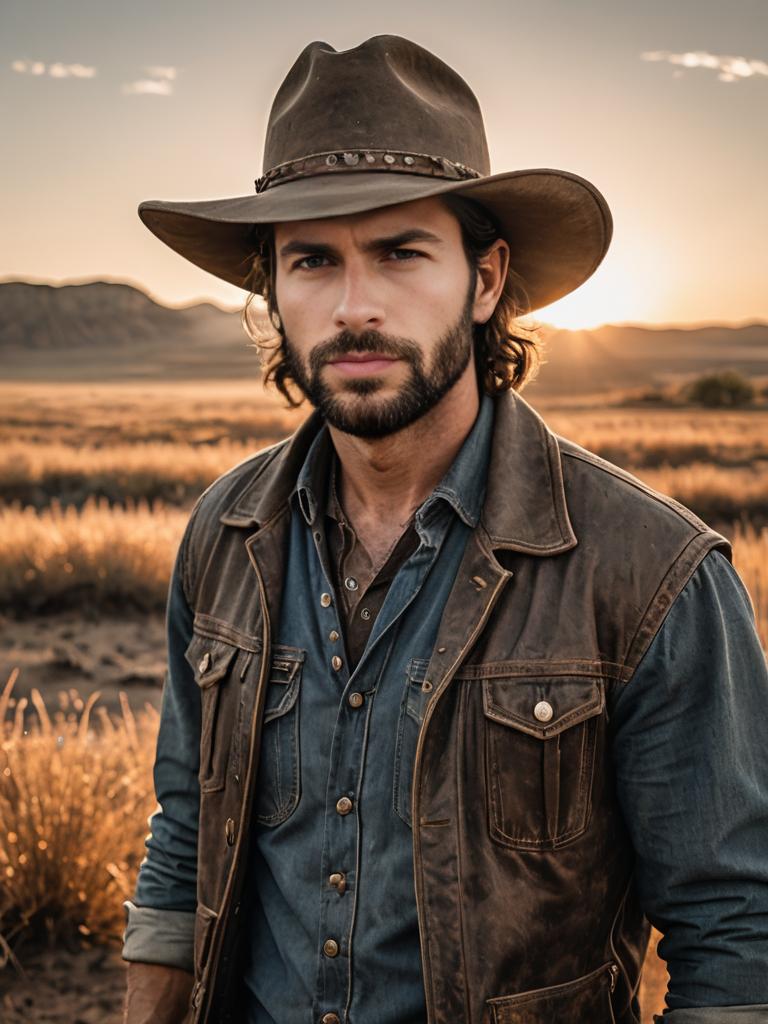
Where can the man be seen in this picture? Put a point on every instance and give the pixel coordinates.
(453, 706)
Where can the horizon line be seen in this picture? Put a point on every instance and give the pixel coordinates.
(746, 321)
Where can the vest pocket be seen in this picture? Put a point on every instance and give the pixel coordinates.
(279, 780)
(586, 999)
(540, 738)
(411, 714)
(211, 661)
(205, 919)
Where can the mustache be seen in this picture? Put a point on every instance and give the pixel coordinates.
(345, 343)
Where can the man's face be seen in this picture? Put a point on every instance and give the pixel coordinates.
(377, 310)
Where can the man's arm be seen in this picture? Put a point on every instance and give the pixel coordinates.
(158, 940)
(689, 745)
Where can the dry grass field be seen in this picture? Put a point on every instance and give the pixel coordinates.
(96, 482)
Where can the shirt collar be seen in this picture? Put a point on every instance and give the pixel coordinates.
(462, 487)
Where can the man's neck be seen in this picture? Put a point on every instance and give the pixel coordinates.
(383, 481)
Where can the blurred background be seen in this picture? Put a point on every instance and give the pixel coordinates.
(127, 381)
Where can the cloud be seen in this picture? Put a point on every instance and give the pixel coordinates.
(56, 70)
(729, 69)
(147, 87)
(159, 82)
(160, 71)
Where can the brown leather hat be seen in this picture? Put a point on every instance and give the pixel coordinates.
(388, 122)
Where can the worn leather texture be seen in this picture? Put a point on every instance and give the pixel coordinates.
(523, 865)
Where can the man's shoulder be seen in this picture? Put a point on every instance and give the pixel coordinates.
(223, 492)
(598, 490)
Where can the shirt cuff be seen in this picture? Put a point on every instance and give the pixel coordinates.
(757, 1014)
(154, 936)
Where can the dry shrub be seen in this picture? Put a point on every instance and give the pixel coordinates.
(99, 556)
(74, 802)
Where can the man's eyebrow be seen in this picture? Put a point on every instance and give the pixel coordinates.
(299, 246)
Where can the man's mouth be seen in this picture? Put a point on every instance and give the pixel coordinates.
(360, 364)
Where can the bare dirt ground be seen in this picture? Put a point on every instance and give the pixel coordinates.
(64, 988)
(87, 653)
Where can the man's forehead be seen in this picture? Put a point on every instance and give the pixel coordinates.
(428, 213)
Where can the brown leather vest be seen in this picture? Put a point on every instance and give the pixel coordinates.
(523, 865)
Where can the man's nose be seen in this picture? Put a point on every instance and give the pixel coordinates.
(359, 307)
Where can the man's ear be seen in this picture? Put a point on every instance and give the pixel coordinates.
(492, 268)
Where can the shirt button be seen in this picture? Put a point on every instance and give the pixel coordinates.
(330, 1018)
(336, 662)
(338, 881)
(325, 600)
(365, 613)
(333, 636)
(543, 711)
(343, 805)
(331, 947)
(350, 583)
(356, 699)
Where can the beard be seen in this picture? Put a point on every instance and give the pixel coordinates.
(362, 415)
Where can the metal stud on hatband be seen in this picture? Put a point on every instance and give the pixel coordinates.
(408, 160)
(370, 158)
(388, 158)
(351, 159)
(331, 159)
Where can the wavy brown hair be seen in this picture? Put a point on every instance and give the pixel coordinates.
(507, 356)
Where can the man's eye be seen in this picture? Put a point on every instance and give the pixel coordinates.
(403, 255)
(310, 262)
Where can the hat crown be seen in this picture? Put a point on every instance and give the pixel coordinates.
(386, 94)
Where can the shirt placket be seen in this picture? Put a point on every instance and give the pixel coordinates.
(341, 844)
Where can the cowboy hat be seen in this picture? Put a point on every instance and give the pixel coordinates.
(384, 123)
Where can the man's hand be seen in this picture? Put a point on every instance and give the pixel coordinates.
(157, 994)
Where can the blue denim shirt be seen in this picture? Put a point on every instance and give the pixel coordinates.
(690, 764)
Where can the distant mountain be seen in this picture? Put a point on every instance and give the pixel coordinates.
(102, 330)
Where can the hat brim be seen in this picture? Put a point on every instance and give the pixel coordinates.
(557, 224)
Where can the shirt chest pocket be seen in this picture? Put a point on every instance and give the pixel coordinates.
(540, 748)
(278, 786)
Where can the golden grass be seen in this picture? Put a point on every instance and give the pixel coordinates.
(98, 556)
(174, 472)
(104, 555)
(74, 802)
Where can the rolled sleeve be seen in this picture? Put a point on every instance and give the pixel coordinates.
(689, 747)
(159, 936)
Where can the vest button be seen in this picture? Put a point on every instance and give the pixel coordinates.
(343, 805)
(229, 831)
(356, 699)
(330, 1018)
(543, 711)
(350, 583)
(331, 947)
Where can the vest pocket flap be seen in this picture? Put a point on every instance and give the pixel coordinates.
(210, 659)
(542, 707)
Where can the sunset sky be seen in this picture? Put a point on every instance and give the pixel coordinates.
(662, 104)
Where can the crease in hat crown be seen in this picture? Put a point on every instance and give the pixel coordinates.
(387, 96)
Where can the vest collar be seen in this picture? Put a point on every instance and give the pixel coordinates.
(525, 506)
